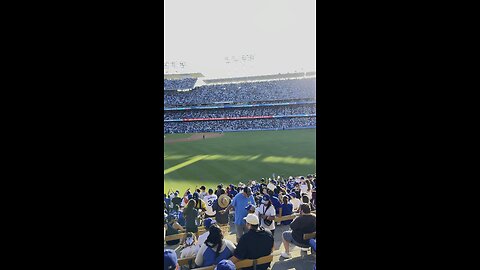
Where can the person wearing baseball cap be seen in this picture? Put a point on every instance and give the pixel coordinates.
(266, 213)
(225, 265)
(170, 261)
(254, 244)
(239, 202)
(207, 223)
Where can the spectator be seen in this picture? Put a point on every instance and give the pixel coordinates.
(214, 249)
(209, 199)
(287, 209)
(225, 265)
(170, 261)
(199, 203)
(239, 202)
(266, 213)
(207, 223)
(202, 192)
(219, 206)
(176, 200)
(305, 223)
(295, 202)
(173, 228)
(191, 216)
(191, 247)
(254, 244)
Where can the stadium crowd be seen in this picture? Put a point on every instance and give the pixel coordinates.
(244, 92)
(256, 205)
(180, 84)
(238, 125)
(241, 112)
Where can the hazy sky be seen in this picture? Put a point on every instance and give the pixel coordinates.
(280, 33)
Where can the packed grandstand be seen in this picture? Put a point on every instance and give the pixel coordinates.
(250, 225)
(277, 102)
(240, 225)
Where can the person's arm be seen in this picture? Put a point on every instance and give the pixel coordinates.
(272, 214)
(199, 258)
(177, 226)
(234, 259)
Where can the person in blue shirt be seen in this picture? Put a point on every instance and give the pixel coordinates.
(239, 203)
(287, 209)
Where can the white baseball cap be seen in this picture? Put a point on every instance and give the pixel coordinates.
(252, 219)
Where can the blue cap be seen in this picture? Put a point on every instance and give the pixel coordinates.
(195, 195)
(266, 198)
(293, 195)
(169, 259)
(225, 265)
(189, 196)
(208, 222)
(249, 206)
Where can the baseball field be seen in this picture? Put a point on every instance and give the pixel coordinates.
(191, 160)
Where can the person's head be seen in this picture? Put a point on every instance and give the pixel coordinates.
(171, 219)
(270, 193)
(305, 199)
(286, 199)
(247, 192)
(250, 208)
(190, 206)
(195, 196)
(225, 265)
(170, 261)
(190, 239)
(304, 209)
(210, 191)
(208, 223)
(203, 188)
(293, 195)
(222, 191)
(252, 222)
(266, 201)
(215, 238)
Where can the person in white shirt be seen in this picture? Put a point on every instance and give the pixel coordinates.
(201, 239)
(202, 192)
(295, 201)
(266, 214)
(191, 247)
(209, 199)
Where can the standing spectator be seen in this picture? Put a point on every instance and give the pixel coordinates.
(191, 216)
(214, 249)
(219, 206)
(254, 244)
(202, 192)
(305, 223)
(209, 199)
(239, 203)
(287, 209)
(176, 200)
(295, 201)
(170, 261)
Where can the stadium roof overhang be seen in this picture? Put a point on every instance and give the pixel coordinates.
(182, 76)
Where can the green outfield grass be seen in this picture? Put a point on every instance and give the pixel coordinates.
(238, 156)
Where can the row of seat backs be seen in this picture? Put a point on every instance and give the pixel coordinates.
(239, 265)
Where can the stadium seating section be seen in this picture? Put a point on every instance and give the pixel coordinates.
(286, 103)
